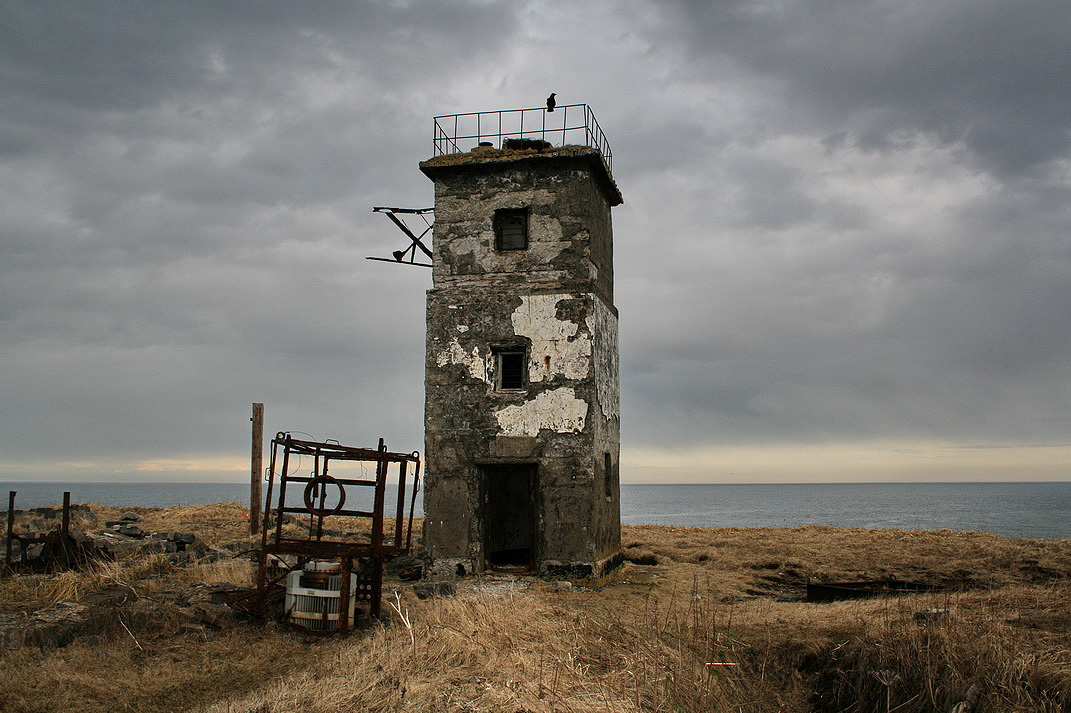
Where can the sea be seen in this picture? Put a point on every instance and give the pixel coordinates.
(1017, 510)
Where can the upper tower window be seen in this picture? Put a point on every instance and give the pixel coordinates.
(511, 229)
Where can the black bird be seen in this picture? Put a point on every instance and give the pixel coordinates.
(550, 102)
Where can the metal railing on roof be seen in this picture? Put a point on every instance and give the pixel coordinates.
(570, 124)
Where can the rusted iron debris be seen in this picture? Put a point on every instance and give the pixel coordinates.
(59, 549)
(359, 552)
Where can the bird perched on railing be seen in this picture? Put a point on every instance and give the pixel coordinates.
(550, 102)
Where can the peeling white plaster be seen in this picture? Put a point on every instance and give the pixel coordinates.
(569, 352)
(558, 410)
(602, 323)
(473, 361)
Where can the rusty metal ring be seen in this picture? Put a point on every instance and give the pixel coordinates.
(310, 489)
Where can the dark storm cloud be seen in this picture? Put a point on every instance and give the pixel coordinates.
(186, 190)
(844, 221)
(863, 233)
(995, 75)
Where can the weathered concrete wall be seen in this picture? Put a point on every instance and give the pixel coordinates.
(569, 196)
(552, 300)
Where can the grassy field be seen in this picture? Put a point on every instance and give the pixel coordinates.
(698, 620)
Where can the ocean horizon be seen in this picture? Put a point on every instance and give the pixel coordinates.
(1038, 510)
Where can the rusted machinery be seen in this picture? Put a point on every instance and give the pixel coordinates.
(55, 550)
(332, 519)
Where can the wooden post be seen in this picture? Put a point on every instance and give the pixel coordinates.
(256, 467)
(10, 523)
(65, 526)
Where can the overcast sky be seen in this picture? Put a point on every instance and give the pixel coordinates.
(844, 252)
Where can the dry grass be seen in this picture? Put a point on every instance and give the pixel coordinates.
(27, 593)
(693, 624)
(163, 674)
(481, 651)
(214, 524)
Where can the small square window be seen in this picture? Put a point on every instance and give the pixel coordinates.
(510, 369)
(511, 229)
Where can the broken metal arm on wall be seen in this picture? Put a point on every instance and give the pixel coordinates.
(416, 240)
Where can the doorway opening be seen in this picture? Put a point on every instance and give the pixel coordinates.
(510, 516)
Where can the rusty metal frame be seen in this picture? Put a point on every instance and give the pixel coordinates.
(567, 124)
(368, 556)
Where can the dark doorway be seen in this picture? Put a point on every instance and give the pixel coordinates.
(510, 515)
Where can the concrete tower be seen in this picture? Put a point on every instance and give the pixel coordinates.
(521, 414)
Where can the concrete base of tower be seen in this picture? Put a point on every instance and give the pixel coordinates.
(583, 574)
(450, 568)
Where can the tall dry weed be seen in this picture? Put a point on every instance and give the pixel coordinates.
(490, 651)
(919, 661)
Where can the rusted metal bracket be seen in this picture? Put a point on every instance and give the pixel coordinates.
(417, 240)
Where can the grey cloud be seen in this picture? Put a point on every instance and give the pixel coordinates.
(995, 75)
(185, 195)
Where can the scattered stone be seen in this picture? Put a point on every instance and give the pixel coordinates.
(930, 614)
(179, 559)
(129, 516)
(158, 547)
(428, 590)
(132, 531)
(55, 626)
(561, 586)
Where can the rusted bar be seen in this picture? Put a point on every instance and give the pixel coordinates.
(267, 499)
(318, 490)
(311, 447)
(400, 510)
(377, 509)
(282, 489)
(345, 481)
(344, 596)
(10, 523)
(377, 533)
(412, 505)
(295, 509)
